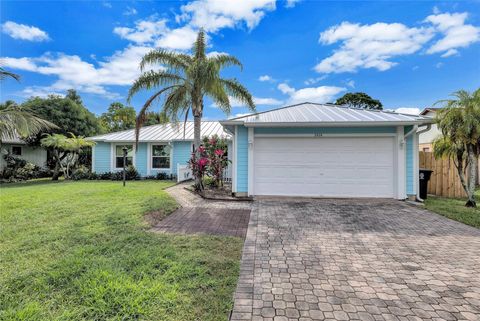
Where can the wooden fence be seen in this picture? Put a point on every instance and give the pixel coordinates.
(444, 180)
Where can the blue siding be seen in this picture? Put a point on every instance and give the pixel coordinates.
(141, 158)
(409, 155)
(242, 159)
(182, 151)
(102, 157)
(325, 130)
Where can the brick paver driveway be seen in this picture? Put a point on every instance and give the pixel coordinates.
(356, 260)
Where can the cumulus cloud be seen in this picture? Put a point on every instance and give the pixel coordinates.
(456, 34)
(257, 100)
(291, 3)
(376, 45)
(370, 46)
(121, 68)
(24, 32)
(130, 11)
(72, 72)
(266, 78)
(321, 94)
(313, 81)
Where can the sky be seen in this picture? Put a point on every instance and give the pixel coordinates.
(407, 54)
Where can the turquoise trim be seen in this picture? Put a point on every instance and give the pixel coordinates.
(102, 157)
(409, 161)
(326, 130)
(242, 159)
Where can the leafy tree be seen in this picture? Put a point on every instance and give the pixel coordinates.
(186, 81)
(65, 151)
(359, 100)
(459, 122)
(118, 117)
(67, 113)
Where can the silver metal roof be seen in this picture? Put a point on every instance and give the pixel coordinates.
(164, 132)
(325, 114)
(12, 139)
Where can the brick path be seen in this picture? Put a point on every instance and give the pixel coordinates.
(200, 216)
(356, 260)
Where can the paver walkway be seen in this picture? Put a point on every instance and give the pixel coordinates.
(356, 260)
(200, 216)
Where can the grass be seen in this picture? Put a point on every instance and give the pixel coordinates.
(455, 209)
(82, 251)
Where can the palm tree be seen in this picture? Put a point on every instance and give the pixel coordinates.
(187, 79)
(4, 74)
(17, 121)
(459, 122)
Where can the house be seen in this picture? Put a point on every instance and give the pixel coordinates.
(425, 140)
(16, 147)
(327, 151)
(161, 148)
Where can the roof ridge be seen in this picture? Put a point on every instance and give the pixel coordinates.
(275, 109)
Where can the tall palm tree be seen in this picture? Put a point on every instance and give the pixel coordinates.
(187, 79)
(459, 122)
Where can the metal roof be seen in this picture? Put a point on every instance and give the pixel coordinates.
(325, 115)
(12, 139)
(164, 132)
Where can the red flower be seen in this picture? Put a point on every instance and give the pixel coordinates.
(219, 152)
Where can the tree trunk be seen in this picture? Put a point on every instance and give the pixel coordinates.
(197, 140)
(56, 170)
(472, 176)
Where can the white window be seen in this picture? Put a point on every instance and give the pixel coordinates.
(161, 156)
(17, 150)
(119, 155)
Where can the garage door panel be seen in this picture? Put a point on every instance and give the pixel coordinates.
(336, 167)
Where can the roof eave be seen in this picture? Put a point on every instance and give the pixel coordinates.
(339, 124)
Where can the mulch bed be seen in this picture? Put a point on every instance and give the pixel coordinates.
(203, 220)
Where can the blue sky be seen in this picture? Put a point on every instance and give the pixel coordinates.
(407, 54)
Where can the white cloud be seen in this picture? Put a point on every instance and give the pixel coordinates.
(456, 33)
(144, 31)
(180, 38)
(241, 115)
(107, 4)
(439, 65)
(370, 46)
(375, 45)
(266, 78)
(267, 101)
(72, 72)
(213, 15)
(321, 94)
(408, 110)
(24, 32)
(291, 3)
(130, 11)
(350, 83)
(313, 81)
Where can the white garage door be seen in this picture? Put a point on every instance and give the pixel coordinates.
(324, 166)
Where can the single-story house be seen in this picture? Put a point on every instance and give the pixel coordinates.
(16, 147)
(326, 150)
(425, 140)
(300, 150)
(161, 148)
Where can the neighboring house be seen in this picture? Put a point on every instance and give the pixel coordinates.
(425, 140)
(18, 148)
(161, 148)
(326, 151)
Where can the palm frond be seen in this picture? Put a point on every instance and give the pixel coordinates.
(152, 79)
(4, 74)
(236, 90)
(21, 122)
(171, 59)
(199, 46)
(224, 60)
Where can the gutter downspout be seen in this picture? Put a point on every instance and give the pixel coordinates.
(417, 132)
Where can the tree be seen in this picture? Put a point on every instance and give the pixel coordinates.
(16, 121)
(65, 152)
(68, 113)
(118, 117)
(459, 122)
(188, 78)
(5, 74)
(359, 100)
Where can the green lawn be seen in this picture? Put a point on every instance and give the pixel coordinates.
(455, 209)
(82, 251)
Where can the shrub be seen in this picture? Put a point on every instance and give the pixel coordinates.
(18, 169)
(82, 172)
(161, 176)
